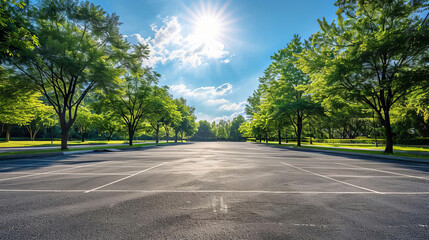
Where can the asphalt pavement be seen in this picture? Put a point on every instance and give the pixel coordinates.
(216, 190)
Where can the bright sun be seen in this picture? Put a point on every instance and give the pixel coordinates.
(208, 28)
(210, 23)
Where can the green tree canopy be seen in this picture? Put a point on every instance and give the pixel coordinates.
(80, 49)
(376, 53)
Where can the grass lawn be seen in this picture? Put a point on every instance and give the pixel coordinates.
(360, 146)
(58, 143)
(372, 146)
(361, 149)
(80, 149)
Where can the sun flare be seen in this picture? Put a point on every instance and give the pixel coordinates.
(210, 23)
(208, 28)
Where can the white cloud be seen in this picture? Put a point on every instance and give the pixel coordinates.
(203, 116)
(217, 101)
(211, 91)
(230, 117)
(170, 43)
(233, 106)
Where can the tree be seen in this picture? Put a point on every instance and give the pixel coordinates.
(375, 54)
(285, 87)
(16, 99)
(235, 134)
(42, 117)
(163, 111)
(131, 102)
(15, 29)
(204, 131)
(222, 130)
(186, 124)
(80, 49)
(84, 121)
(107, 122)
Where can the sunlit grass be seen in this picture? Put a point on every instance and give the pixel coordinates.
(338, 148)
(360, 146)
(80, 149)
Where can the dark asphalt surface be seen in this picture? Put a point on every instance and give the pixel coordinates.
(213, 191)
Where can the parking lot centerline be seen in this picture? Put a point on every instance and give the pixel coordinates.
(132, 175)
(333, 179)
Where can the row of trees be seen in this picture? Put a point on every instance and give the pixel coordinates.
(56, 54)
(223, 130)
(363, 73)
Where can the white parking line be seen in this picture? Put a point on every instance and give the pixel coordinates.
(333, 168)
(208, 191)
(346, 183)
(43, 173)
(360, 176)
(132, 175)
(68, 173)
(383, 171)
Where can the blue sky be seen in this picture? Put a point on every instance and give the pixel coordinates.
(213, 52)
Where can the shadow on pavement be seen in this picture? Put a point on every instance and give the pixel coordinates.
(26, 164)
(423, 167)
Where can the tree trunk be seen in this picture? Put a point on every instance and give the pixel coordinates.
(260, 139)
(1, 129)
(279, 136)
(157, 132)
(33, 134)
(175, 137)
(64, 130)
(109, 137)
(388, 132)
(83, 137)
(8, 132)
(266, 137)
(64, 138)
(181, 136)
(30, 131)
(130, 136)
(286, 135)
(299, 130)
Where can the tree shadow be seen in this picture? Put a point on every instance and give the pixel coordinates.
(418, 166)
(28, 164)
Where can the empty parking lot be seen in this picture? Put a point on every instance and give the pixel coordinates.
(215, 190)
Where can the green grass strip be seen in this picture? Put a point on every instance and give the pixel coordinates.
(78, 149)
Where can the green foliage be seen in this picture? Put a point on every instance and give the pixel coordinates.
(131, 101)
(281, 97)
(204, 132)
(235, 133)
(43, 117)
(15, 34)
(163, 111)
(80, 49)
(84, 122)
(186, 125)
(375, 54)
(107, 123)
